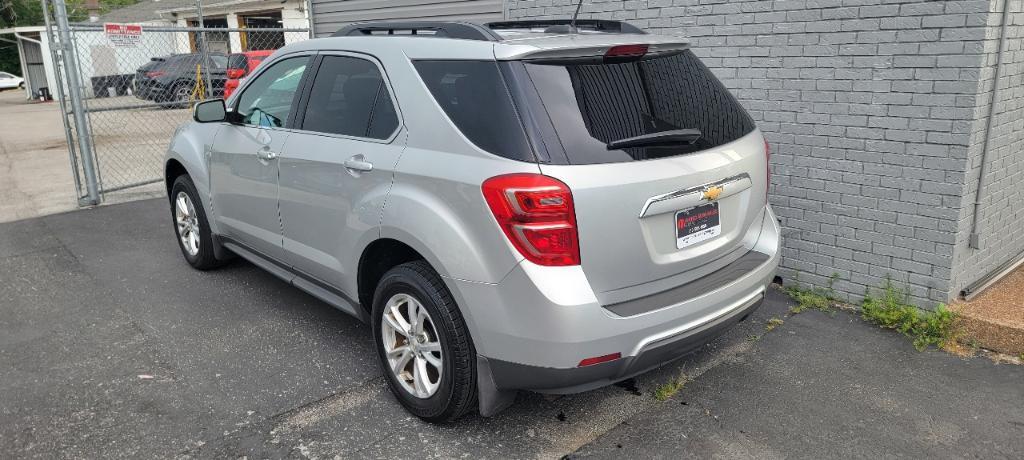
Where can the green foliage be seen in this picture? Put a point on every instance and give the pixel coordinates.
(892, 311)
(20, 13)
(669, 389)
(16, 13)
(773, 323)
(814, 298)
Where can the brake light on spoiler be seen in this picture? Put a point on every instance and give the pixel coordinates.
(624, 51)
(536, 214)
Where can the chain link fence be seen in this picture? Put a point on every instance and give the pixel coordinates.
(125, 88)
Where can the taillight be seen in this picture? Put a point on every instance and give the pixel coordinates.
(767, 170)
(156, 73)
(537, 215)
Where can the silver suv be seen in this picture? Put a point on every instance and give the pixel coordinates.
(512, 206)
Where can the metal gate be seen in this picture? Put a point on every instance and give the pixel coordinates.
(125, 88)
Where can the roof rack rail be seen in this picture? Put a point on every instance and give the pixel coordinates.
(440, 29)
(597, 25)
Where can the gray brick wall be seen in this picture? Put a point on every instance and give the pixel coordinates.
(873, 110)
(1001, 220)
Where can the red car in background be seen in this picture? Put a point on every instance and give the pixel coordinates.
(241, 65)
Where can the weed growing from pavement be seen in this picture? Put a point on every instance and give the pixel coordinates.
(892, 310)
(821, 299)
(773, 323)
(668, 390)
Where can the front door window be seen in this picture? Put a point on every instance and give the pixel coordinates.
(267, 102)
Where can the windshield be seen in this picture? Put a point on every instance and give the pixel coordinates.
(592, 105)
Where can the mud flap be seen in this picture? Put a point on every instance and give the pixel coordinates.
(219, 251)
(491, 400)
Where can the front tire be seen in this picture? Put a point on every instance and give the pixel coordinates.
(190, 225)
(423, 344)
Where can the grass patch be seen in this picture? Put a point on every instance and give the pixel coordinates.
(773, 323)
(892, 310)
(668, 390)
(815, 298)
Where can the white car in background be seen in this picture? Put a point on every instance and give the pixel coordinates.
(8, 81)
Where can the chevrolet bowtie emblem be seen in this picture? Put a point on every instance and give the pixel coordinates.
(712, 193)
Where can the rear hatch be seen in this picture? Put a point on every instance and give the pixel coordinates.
(683, 188)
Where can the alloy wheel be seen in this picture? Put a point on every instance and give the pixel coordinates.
(182, 93)
(412, 346)
(187, 223)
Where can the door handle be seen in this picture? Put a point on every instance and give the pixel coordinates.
(266, 155)
(357, 163)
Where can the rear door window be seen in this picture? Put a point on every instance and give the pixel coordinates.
(591, 105)
(349, 97)
(474, 96)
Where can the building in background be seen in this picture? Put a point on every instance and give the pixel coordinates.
(896, 152)
(34, 55)
(331, 15)
(287, 14)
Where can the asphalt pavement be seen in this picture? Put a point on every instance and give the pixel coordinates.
(111, 346)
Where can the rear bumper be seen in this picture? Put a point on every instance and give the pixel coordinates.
(515, 376)
(150, 92)
(534, 328)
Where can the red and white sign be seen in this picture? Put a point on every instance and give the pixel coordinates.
(125, 35)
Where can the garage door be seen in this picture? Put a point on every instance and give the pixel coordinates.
(331, 15)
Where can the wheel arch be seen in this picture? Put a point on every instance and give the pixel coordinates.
(187, 155)
(387, 252)
(172, 170)
(377, 258)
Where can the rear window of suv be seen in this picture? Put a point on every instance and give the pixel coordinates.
(591, 105)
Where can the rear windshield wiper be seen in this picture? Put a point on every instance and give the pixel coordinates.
(670, 137)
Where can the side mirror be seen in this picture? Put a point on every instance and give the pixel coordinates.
(210, 111)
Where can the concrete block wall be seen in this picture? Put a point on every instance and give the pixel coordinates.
(1001, 220)
(871, 107)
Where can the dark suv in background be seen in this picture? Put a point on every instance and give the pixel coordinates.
(171, 79)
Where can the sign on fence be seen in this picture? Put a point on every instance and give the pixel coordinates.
(123, 35)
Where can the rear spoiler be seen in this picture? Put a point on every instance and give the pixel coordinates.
(579, 50)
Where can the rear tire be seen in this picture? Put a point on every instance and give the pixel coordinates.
(189, 219)
(455, 391)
